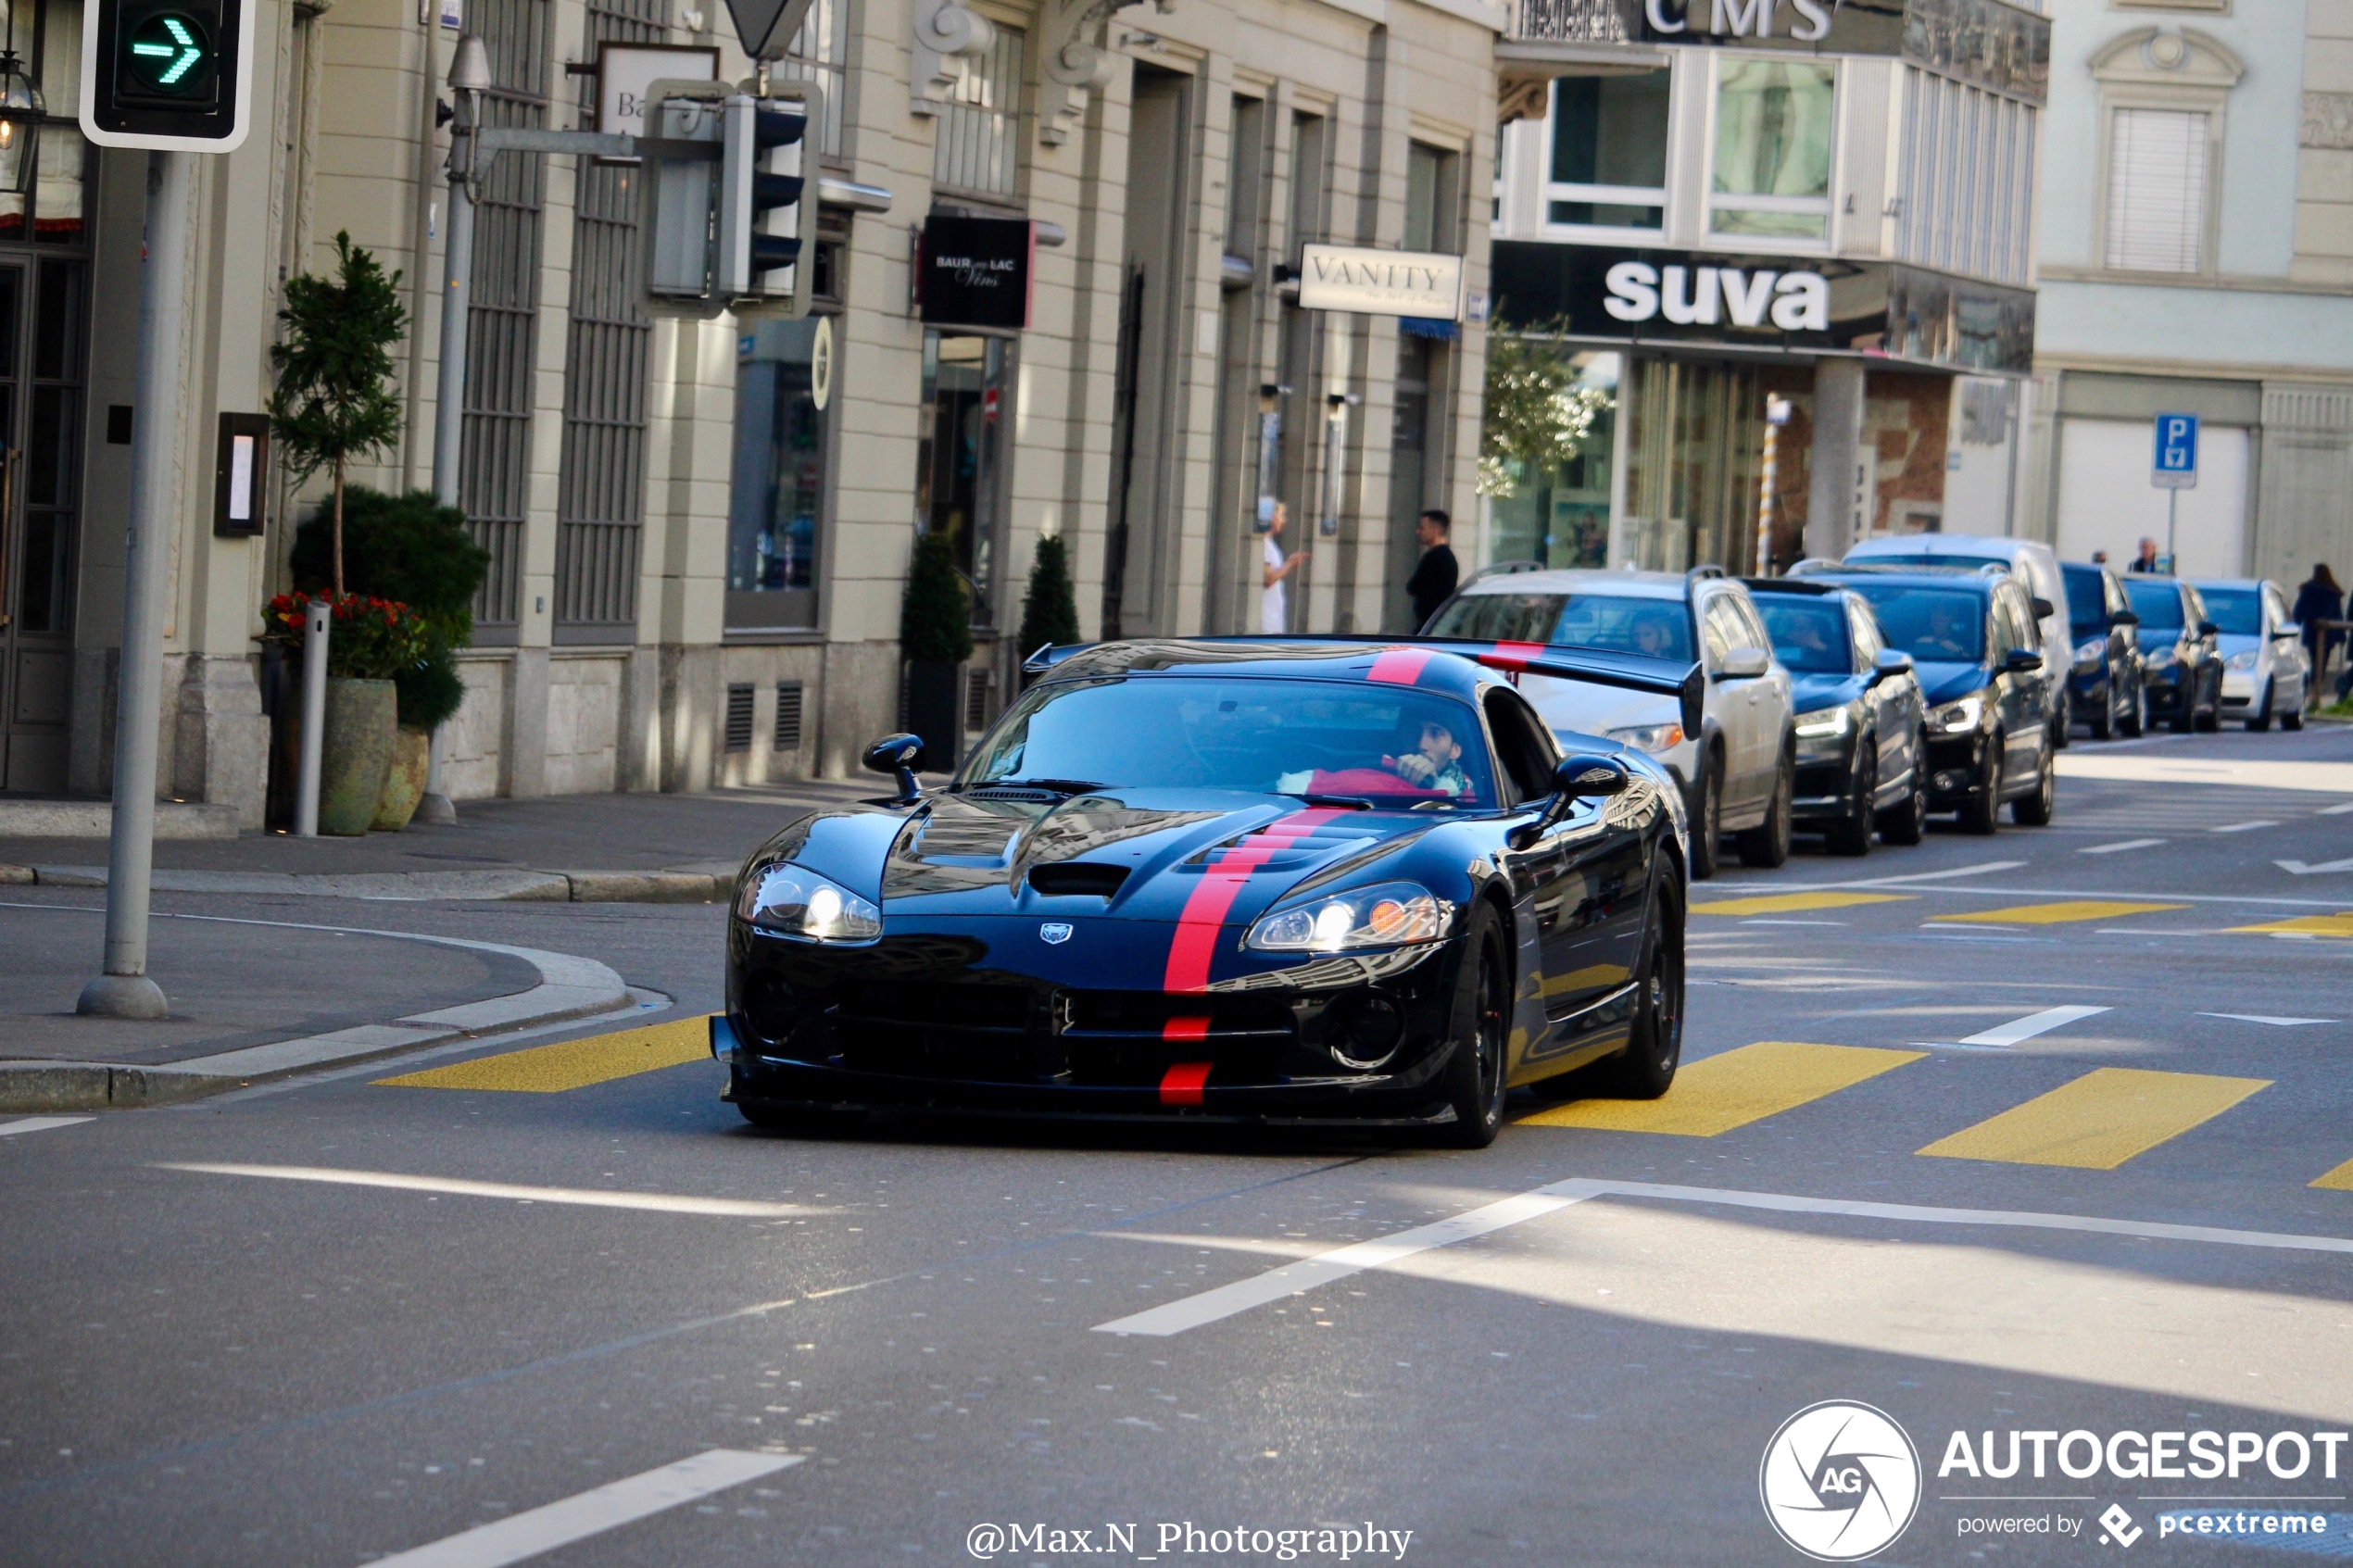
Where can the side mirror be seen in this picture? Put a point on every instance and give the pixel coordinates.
(896, 754)
(2207, 629)
(1890, 663)
(1744, 664)
(2288, 633)
(2020, 660)
(2043, 608)
(1580, 777)
(2122, 618)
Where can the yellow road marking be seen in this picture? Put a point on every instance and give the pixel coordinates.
(2059, 914)
(2099, 1121)
(1731, 1090)
(2313, 925)
(1779, 903)
(572, 1064)
(2338, 1180)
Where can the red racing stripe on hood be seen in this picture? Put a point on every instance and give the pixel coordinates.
(1401, 666)
(1204, 913)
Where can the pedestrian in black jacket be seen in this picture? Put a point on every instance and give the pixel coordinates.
(1436, 572)
(2318, 599)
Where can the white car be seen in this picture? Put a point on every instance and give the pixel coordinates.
(1739, 773)
(2266, 672)
(2029, 561)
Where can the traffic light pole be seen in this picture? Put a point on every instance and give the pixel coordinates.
(124, 990)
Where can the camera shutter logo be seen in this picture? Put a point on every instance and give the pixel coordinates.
(1839, 1480)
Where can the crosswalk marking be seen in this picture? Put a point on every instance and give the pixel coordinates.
(39, 1123)
(2242, 827)
(633, 1497)
(2026, 1028)
(570, 1064)
(2304, 926)
(2338, 1180)
(2266, 1018)
(2099, 1121)
(1787, 903)
(584, 1198)
(2060, 913)
(1720, 1093)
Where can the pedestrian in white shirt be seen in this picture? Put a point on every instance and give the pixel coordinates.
(1274, 606)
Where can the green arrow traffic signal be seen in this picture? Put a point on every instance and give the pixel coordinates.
(168, 51)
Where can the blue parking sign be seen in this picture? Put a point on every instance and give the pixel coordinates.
(2175, 465)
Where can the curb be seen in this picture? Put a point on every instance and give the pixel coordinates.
(569, 987)
(557, 888)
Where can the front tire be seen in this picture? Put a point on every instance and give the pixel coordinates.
(2103, 720)
(2261, 719)
(1908, 824)
(1851, 834)
(1474, 1082)
(2210, 722)
(2135, 722)
(1707, 833)
(1983, 815)
(2035, 810)
(1646, 1068)
(1767, 845)
(802, 1121)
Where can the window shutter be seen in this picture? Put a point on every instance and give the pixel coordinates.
(739, 717)
(2156, 190)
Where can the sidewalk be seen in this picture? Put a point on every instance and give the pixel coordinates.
(600, 848)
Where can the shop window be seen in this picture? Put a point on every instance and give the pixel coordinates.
(2156, 163)
(1432, 194)
(1607, 165)
(818, 54)
(1773, 139)
(777, 496)
(961, 428)
(979, 143)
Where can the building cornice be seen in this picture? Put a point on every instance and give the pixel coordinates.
(2197, 369)
(2227, 282)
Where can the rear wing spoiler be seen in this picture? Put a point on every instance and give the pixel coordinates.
(1628, 671)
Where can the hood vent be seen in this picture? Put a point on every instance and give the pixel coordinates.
(1083, 879)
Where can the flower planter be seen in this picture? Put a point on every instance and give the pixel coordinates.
(934, 712)
(362, 719)
(405, 779)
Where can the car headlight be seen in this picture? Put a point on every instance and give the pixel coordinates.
(1824, 723)
(1956, 718)
(800, 903)
(2088, 655)
(2243, 659)
(1393, 914)
(1657, 739)
(2160, 656)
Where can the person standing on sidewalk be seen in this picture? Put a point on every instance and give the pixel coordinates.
(1436, 572)
(2147, 561)
(2318, 598)
(1274, 605)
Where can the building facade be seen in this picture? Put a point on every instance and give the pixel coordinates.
(699, 530)
(2197, 257)
(1716, 210)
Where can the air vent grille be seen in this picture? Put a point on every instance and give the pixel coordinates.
(739, 717)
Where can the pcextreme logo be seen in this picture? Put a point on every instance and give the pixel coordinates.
(1839, 1480)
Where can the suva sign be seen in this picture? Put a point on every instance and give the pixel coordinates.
(1707, 296)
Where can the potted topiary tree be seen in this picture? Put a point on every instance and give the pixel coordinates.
(935, 637)
(1050, 610)
(373, 641)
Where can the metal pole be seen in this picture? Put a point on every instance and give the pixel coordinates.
(2173, 504)
(1764, 481)
(318, 622)
(450, 405)
(124, 990)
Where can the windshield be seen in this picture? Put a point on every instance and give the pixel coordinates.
(1656, 628)
(1270, 736)
(2158, 604)
(1966, 563)
(1809, 634)
(2086, 601)
(1939, 625)
(2237, 610)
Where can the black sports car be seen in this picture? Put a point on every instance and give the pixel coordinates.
(1265, 880)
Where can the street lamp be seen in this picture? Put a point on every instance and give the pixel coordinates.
(20, 112)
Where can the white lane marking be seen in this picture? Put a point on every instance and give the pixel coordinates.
(2306, 868)
(586, 1198)
(2242, 827)
(2119, 845)
(593, 1513)
(2026, 1028)
(1792, 923)
(1291, 1279)
(2266, 1018)
(1933, 876)
(40, 1124)
(1227, 1300)
(2336, 811)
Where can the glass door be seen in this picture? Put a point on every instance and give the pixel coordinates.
(42, 312)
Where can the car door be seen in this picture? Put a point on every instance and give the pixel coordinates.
(1889, 700)
(2285, 655)
(2025, 722)
(1746, 782)
(1771, 700)
(2206, 689)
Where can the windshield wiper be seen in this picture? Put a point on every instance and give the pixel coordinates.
(1352, 802)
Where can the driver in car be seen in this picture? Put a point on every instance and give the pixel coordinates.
(1437, 764)
(1947, 633)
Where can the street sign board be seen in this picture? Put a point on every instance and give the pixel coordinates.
(765, 27)
(626, 70)
(2175, 465)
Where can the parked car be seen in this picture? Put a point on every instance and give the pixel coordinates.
(2104, 686)
(1859, 714)
(1738, 772)
(1990, 706)
(2179, 652)
(2266, 671)
(2031, 560)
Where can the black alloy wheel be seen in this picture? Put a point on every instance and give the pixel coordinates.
(1474, 1082)
(1767, 845)
(1851, 834)
(1646, 1068)
(2135, 722)
(2261, 719)
(1982, 813)
(1707, 833)
(1908, 824)
(2034, 810)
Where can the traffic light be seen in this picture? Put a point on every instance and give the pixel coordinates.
(763, 145)
(172, 75)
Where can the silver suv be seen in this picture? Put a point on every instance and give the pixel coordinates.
(1738, 772)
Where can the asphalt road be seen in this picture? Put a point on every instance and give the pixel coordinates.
(2027, 1143)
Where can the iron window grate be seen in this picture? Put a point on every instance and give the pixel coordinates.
(739, 717)
(789, 715)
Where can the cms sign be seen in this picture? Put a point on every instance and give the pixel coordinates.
(1809, 21)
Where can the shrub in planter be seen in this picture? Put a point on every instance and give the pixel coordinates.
(1050, 613)
(372, 641)
(935, 637)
